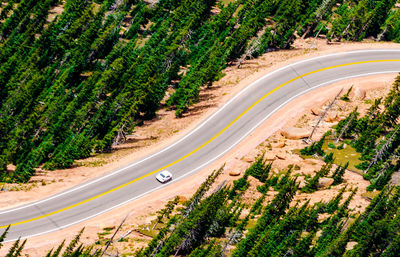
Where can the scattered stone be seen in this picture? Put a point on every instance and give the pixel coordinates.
(269, 156)
(311, 161)
(350, 245)
(281, 156)
(182, 199)
(244, 213)
(234, 173)
(331, 117)
(332, 124)
(295, 133)
(325, 182)
(279, 144)
(302, 184)
(317, 111)
(358, 93)
(247, 159)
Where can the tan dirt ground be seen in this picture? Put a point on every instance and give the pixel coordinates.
(165, 129)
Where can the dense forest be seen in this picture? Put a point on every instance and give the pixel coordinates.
(77, 76)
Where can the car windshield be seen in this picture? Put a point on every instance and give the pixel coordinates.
(162, 175)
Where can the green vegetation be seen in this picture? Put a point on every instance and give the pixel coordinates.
(312, 183)
(372, 141)
(376, 138)
(343, 154)
(77, 84)
(345, 97)
(212, 223)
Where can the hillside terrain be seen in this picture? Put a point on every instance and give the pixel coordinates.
(78, 77)
(349, 191)
(82, 79)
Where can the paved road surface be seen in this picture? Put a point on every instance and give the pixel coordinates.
(218, 134)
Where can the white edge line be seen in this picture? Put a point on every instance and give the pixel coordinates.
(211, 160)
(194, 130)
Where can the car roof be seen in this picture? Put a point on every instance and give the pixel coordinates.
(166, 172)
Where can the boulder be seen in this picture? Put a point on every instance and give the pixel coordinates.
(247, 158)
(302, 184)
(234, 173)
(182, 199)
(350, 245)
(331, 117)
(279, 144)
(317, 111)
(269, 156)
(311, 161)
(325, 182)
(295, 133)
(281, 156)
(358, 93)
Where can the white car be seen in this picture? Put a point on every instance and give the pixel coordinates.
(164, 176)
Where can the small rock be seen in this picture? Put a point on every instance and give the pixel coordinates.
(234, 173)
(269, 156)
(331, 117)
(247, 159)
(244, 213)
(302, 184)
(280, 156)
(279, 144)
(325, 182)
(358, 93)
(182, 199)
(332, 124)
(311, 161)
(317, 111)
(295, 133)
(350, 245)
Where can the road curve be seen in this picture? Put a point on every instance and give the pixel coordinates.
(206, 143)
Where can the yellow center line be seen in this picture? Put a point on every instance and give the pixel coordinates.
(198, 148)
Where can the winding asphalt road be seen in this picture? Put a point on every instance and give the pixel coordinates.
(206, 143)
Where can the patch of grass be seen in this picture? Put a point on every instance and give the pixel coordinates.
(103, 233)
(370, 194)
(331, 145)
(342, 156)
(108, 228)
(297, 152)
(251, 224)
(146, 229)
(97, 163)
(226, 2)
